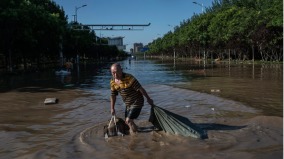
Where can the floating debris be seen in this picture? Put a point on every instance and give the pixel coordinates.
(50, 101)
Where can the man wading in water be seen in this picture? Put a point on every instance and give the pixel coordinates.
(131, 92)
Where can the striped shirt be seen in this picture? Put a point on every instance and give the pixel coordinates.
(129, 90)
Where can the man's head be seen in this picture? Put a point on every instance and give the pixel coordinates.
(116, 71)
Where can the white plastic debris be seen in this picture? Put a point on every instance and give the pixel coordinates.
(50, 101)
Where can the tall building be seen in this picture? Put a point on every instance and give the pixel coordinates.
(137, 47)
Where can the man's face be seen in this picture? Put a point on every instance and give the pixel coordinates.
(116, 72)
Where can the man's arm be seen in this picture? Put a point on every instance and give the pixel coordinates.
(145, 94)
(112, 103)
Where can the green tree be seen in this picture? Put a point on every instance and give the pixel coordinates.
(30, 29)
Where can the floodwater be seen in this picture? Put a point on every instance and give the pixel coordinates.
(240, 106)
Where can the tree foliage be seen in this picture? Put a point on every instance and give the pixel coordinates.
(251, 28)
(30, 30)
(36, 32)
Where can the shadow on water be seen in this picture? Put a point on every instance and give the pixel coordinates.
(214, 126)
(145, 129)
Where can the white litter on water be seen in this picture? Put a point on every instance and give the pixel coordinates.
(50, 101)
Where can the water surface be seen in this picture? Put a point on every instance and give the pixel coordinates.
(240, 106)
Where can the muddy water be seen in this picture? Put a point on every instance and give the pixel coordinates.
(239, 106)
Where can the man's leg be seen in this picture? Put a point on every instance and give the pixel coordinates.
(132, 126)
(130, 115)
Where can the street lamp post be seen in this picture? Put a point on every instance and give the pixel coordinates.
(201, 4)
(75, 20)
(158, 36)
(174, 47)
(172, 27)
(76, 10)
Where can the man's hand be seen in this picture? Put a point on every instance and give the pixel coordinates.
(112, 111)
(150, 101)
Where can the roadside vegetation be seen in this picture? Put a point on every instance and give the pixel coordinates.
(35, 34)
(229, 29)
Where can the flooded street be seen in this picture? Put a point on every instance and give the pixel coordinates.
(240, 106)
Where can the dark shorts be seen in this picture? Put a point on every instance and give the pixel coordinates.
(132, 113)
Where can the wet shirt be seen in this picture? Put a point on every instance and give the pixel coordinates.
(128, 89)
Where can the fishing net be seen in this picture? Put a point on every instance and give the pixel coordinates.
(175, 124)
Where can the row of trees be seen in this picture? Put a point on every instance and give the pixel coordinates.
(236, 29)
(36, 32)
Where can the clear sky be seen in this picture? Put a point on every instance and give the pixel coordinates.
(163, 15)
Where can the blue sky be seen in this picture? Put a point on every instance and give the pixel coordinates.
(163, 15)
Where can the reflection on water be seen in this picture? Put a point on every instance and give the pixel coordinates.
(259, 86)
(230, 101)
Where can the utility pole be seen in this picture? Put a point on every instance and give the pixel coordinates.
(76, 10)
(201, 4)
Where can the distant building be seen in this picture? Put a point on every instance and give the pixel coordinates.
(118, 42)
(137, 47)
